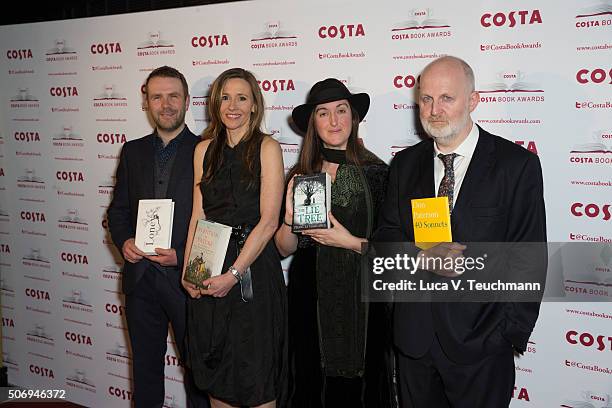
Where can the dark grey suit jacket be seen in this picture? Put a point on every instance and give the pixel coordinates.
(134, 181)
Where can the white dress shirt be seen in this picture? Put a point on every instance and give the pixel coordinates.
(464, 151)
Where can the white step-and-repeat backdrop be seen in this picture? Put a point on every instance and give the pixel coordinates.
(71, 97)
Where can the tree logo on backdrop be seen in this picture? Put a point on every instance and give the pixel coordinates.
(6, 289)
(274, 35)
(38, 334)
(109, 97)
(61, 51)
(77, 300)
(29, 179)
(597, 152)
(9, 362)
(589, 399)
(111, 272)
(421, 24)
(24, 99)
(67, 138)
(35, 259)
(78, 379)
(511, 87)
(599, 15)
(155, 44)
(72, 221)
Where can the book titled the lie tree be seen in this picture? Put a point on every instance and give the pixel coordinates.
(431, 221)
(154, 225)
(311, 201)
(208, 249)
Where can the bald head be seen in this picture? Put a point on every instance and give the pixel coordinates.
(446, 99)
(456, 66)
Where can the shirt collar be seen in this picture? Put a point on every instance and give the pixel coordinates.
(467, 147)
(159, 143)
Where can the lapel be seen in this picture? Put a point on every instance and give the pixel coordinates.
(480, 165)
(182, 162)
(426, 177)
(147, 165)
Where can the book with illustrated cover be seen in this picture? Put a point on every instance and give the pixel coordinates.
(431, 221)
(311, 201)
(154, 225)
(208, 249)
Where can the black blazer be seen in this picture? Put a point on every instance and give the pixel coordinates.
(134, 181)
(501, 200)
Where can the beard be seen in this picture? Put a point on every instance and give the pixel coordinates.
(447, 133)
(169, 126)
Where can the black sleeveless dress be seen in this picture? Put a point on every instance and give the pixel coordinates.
(238, 350)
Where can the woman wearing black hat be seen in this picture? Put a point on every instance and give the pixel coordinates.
(340, 347)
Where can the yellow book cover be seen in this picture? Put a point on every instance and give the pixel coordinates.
(431, 221)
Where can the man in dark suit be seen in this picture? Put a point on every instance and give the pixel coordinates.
(156, 166)
(461, 354)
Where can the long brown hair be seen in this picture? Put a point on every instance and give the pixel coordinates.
(216, 131)
(311, 157)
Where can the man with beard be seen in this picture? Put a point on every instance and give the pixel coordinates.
(156, 166)
(461, 354)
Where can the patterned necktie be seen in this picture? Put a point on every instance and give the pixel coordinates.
(447, 184)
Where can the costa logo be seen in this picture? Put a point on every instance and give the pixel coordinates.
(5, 249)
(19, 54)
(111, 138)
(523, 394)
(210, 41)
(343, 31)
(64, 91)
(588, 340)
(74, 258)
(276, 85)
(27, 136)
(37, 294)
(115, 309)
(106, 48)
(63, 175)
(531, 145)
(510, 19)
(78, 338)
(7, 322)
(1, 172)
(105, 223)
(591, 210)
(120, 393)
(33, 216)
(408, 81)
(42, 371)
(598, 75)
(173, 361)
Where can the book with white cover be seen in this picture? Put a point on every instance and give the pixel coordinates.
(154, 225)
(208, 249)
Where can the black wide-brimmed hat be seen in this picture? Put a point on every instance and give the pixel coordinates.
(328, 90)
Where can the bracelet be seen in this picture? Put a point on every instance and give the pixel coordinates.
(285, 222)
(236, 274)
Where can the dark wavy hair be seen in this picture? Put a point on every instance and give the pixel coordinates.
(216, 132)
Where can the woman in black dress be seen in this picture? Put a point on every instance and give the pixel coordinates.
(340, 346)
(237, 348)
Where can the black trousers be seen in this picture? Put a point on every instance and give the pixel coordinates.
(149, 308)
(435, 381)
